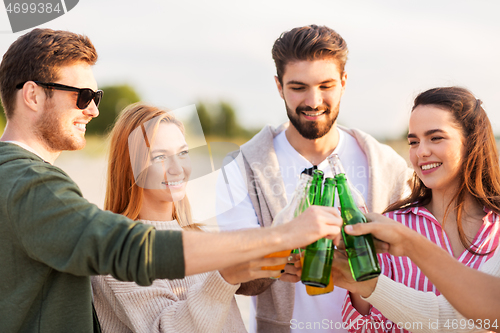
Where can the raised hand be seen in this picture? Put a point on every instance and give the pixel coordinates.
(392, 233)
(314, 223)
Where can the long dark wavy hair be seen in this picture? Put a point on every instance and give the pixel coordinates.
(479, 175)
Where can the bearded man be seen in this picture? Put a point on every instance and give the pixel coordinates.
(311, 80)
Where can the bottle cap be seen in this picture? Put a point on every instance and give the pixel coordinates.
(308, 171)
(318, 173)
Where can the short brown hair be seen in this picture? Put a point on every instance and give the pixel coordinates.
(37, 56)
(308, 43)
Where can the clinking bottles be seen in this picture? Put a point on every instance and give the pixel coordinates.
(317, 264)
(326, 200)
(360, 249)
(298, 203)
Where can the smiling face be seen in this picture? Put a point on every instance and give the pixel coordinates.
(170, 165)
(436, 147)
(61, 124)
(312, 91)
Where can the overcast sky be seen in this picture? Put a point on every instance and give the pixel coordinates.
(177, 52)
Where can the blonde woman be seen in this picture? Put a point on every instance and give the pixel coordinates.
(149, 167)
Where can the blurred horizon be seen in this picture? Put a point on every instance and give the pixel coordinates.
(178, 53)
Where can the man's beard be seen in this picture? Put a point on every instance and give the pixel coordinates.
(312, 130)
(50, 131)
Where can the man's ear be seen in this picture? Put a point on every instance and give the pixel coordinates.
(280, 87)
(343, 81)
(32, 96)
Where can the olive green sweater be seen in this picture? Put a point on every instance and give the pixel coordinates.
(52, 240)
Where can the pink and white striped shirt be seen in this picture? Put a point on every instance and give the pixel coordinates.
(403, 270)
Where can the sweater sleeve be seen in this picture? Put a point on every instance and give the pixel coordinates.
(158, 308)
(426, 311)
(375, 321)
(422, 311)
(56, 226)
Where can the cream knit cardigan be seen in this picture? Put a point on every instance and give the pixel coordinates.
(198, 303)
(424, 311)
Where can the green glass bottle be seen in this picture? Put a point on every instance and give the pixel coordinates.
(317, 266)
(360, 249)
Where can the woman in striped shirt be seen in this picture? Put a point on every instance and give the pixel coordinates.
(455, 198)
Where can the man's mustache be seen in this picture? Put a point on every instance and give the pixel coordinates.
(308, 108)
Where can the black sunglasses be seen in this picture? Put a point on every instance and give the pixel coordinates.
(85, 95)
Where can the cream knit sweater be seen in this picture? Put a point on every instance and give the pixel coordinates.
(198, 303)
(425, 312)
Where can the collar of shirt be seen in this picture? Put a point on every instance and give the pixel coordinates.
(28, 148)
(485, 239)
(490, 216)
(289, 149)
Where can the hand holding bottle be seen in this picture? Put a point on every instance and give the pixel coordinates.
(392, 236)
(252, 270)
(389, 236)
(306, 221)
(314, 223)
(342, 276)
(360, 249)
(293, 269)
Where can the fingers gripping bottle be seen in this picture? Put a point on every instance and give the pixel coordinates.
(360, 249)
(298, 203)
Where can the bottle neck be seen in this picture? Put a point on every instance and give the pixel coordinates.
(303, 185)
(335, 164)
(328, 194)
(301, 195)
(345, 196)
(295, 206)
(317, 193)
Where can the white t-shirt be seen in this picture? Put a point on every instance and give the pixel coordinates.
(310, 312)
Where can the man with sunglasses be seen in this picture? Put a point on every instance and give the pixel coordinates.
(51, 238)
(85, 95)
